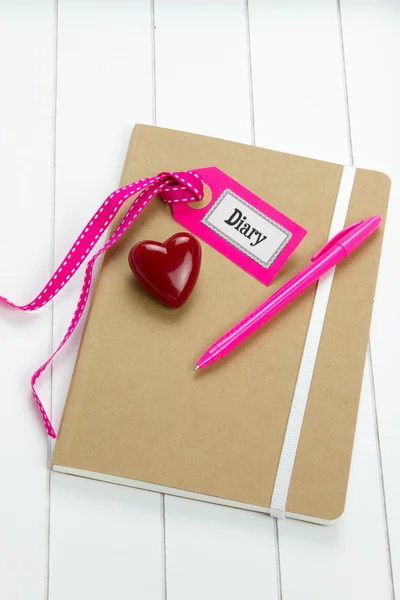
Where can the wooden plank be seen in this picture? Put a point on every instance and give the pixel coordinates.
(297, 78)
(300, 107)
(105, 541)
(108, 539)
(202, 85)
(372, 48)
(26, 191)
(202, 77)
(228, 553)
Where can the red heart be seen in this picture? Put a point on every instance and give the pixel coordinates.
(168, 271)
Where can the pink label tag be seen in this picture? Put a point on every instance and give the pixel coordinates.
(243, 227)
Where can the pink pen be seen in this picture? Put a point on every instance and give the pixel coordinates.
(340, 246)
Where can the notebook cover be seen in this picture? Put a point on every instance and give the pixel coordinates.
(135, 407)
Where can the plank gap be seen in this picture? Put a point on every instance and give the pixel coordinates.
(380, 470)
(278, 559)
(345, 87)
(164, 547)
(153, 61)
(250, 68)
(50, 445)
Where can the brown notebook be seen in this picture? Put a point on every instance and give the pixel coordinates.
(137, 414)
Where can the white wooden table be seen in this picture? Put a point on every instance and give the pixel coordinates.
(311, 77)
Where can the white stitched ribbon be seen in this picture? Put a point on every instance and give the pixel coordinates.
(304, 378)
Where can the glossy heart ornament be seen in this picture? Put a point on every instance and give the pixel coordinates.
(168, 271)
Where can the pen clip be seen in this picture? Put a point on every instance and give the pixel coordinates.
(335, 239)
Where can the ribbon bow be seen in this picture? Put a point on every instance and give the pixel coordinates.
(186, 186)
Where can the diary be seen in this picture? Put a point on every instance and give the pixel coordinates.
(138, 415)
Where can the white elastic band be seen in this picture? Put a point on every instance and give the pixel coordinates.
(298, 408)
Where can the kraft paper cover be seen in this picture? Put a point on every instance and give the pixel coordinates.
(136, 408)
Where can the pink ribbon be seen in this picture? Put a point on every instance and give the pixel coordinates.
(172, 187)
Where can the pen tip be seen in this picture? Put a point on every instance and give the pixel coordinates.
(196, 368)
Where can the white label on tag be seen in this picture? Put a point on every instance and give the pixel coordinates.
(247, 228)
